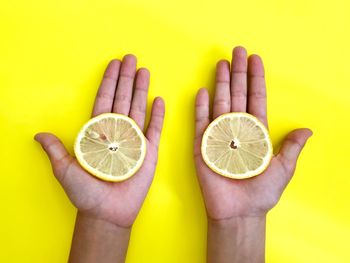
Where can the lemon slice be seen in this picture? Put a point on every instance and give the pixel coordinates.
(236, 145)
(111, 147)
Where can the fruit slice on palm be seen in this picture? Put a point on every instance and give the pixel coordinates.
(111, 147)
(236, 145)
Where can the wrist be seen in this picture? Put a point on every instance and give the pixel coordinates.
(237, 239)
(242, 222)
(97, 240)
(100, 223)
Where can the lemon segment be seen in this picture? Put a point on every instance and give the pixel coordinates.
(236, 145)
(111, 147)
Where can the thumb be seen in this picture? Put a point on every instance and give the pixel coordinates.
(57, 153)
(291, 147)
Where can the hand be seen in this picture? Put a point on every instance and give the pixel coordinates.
(124, 91)
(243, 90)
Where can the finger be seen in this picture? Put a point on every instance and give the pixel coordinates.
(202, 111)
(156, 122)
(239, 80)
(291, 148)
(139, 100)
(105, 94)
(256, 88)
(57, 153)
(125, 84)
(222, 100)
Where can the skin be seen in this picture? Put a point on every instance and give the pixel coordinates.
(107, 210)
(236, 209)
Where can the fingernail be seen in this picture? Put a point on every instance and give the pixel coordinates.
(311, 133)
(36, 137)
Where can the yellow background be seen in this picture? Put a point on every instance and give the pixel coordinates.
(52, 56)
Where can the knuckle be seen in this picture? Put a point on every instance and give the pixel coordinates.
(123, 98)
(258, 93)
(155, 127)
(294, 143)
(222, 102)
(126, 76)
(158, 116)
(138, 109)
(109, 76)
(239, 91)
(104, 95)
(222, 83)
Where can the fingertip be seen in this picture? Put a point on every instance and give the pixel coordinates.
(238, 79)
(114, 62)
(159, 101)
(112, 69)
(201, 111)
(255, 60)
(142, 79)
(239, 51)
(38, 137)
(292, 146)
(255, 57)
(127, 69)
(144, 71)
(158, 107)
(308, 133)
(255, 66)
(202, 97)
(223, 72)
(130, 58)
(222, 63)
(156, 122)
(202, 93)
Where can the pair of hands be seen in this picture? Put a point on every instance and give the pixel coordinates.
(240, 87)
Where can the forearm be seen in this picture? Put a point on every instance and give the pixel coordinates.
(96, 240)
(236, 240)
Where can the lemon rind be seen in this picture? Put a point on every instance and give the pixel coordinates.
(248, 174)
(97, 173)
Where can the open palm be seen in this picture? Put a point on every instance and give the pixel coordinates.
(123, 90)
(241, 88)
